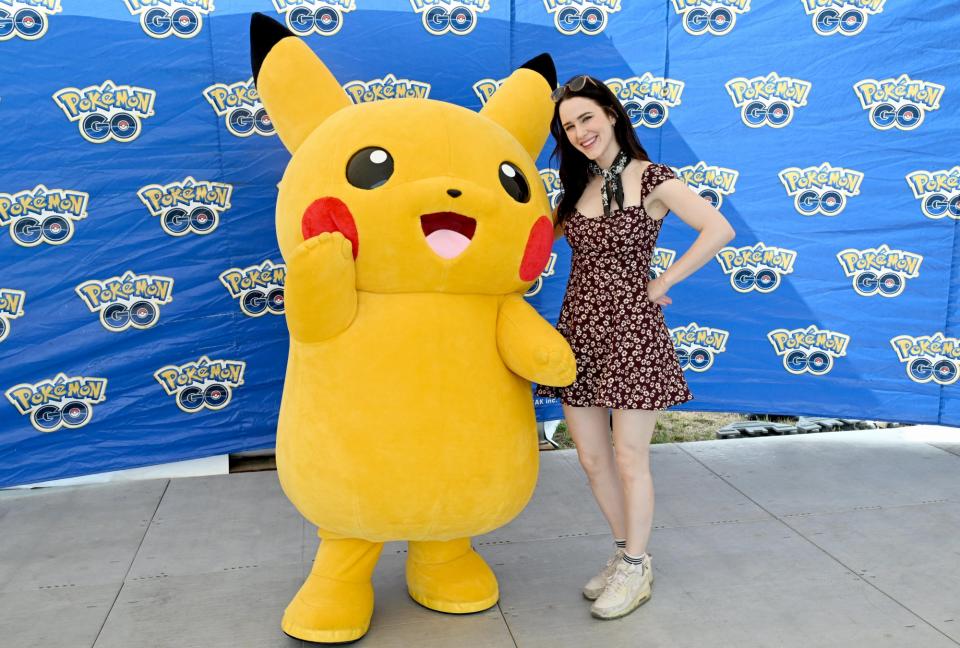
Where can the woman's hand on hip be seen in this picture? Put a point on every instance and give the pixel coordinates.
(657, 291)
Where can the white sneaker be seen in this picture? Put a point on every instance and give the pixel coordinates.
(628, 589)
(598, 583)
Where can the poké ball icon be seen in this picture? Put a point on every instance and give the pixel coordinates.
(214, 396)
(181, 22)
(846, 22)
(811, 202)
(256, 302)
(776, 114)
(27, 23)
(712, 196)
(325, 21)
(905, 117)
(696, 358)
(651, 114)
(51, 417)
(139, 315)
(29, 231)
(179, 221)
(4, 328)
(763, 280)
(572, 20)
(888, 284)
(717, 21)
(815, 362)
(120, 126)
(943, 371)
(244, 122)
(458, 20)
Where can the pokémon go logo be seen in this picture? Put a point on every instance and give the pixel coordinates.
(188, 206)
(239, 103)
(660, 260)
(844, 17)
(879, 271)
(304, 17)
(581, 16)
(647, 99)
(937, 191)
(129, 300)
(548, 271)
(457, 17)
(26, 19)
(551, 182)
(715, 17)
(11, 307)
(204, 383)
(768, 101)
(810, 350)
(42, 215)
(259, 288)
(711, 183)
(899, 103)
(162, 18)
(107, 111)
(929, 358)
(758, 267)
(821, 190)
(59, 402)
(389, 87)
(484, 89)
(697, 346)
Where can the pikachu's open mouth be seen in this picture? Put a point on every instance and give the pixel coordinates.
(448, 233)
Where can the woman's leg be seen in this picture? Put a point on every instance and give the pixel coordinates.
(632, 430)
(590, 429)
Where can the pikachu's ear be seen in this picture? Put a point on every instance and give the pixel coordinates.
(523, 106)
(296, 88)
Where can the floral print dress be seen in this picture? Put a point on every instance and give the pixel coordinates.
(625, 357)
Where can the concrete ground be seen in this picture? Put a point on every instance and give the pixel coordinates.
(832, 539)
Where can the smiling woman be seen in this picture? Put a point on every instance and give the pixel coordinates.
(612, 207)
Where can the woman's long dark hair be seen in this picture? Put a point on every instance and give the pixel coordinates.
(573, 163)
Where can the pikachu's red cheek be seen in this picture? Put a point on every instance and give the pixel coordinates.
(330, 215)
(537, 252)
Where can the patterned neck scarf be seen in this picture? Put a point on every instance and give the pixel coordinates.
(612, 184)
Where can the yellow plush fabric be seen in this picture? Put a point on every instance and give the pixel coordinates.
(407, 410)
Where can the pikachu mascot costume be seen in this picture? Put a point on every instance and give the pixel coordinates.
(411, 229)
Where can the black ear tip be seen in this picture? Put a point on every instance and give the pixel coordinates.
(543, 65)
(265, 32)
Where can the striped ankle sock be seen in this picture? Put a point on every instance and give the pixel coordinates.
(621, 544)
(633, 560)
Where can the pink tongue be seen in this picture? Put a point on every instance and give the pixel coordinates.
(447, 243)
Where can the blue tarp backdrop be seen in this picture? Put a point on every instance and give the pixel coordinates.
(141, 301)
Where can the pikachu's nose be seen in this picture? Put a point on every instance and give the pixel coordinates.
(454, 192)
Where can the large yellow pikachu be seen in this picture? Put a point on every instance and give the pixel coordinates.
(411, 229)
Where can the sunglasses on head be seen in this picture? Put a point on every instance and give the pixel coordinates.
(576, 84)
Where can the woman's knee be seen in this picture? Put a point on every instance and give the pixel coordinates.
(595, 461)
(633, 463)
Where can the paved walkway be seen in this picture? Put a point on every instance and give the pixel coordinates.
(832, 539)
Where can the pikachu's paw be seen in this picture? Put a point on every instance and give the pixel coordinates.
(323, 249)
(559, 367)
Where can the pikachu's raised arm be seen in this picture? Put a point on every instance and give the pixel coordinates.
(296, 88)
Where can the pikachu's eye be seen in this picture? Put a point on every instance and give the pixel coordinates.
(369, 167)
(514, 183)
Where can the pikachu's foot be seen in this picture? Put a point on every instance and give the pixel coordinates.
(335, 604)
(450, 577)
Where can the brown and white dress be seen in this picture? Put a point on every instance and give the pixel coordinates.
(625, 357)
